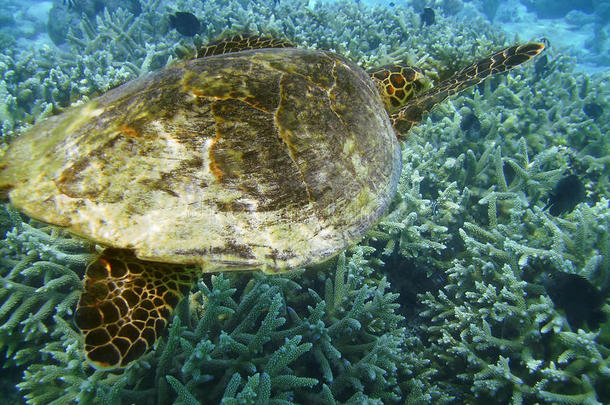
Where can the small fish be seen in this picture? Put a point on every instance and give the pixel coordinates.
(577, 297)
(470, 124)
(185, 23)
(541, 64)
(427, 16)
(568, 192)
(391, 4)
(593, 110)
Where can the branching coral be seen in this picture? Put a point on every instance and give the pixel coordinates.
(469, 212)
(40, 274)
(489, 335)
(504, 342)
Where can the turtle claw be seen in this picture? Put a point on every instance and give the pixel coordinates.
(126, 305)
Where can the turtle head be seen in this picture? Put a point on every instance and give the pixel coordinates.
(397, 84)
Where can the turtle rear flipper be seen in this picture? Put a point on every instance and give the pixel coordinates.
(412, 112)
(126, 305)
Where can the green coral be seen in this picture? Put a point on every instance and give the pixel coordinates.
(40, 274)
(465, 228)
(488, 335)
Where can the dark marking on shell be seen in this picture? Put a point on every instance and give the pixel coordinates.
(231, 247)
(248, 155)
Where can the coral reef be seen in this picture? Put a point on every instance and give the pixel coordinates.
(115, 46)
(466, 241)
(41, 272)
(63, 15)
(470, 208)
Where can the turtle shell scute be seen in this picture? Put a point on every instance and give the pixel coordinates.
(270, 159)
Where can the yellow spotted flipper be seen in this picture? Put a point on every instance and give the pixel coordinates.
(126, 305)
(242, 42)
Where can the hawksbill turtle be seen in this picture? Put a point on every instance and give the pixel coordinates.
(253, 155)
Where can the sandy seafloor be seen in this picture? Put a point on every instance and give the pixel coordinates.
(581, 35)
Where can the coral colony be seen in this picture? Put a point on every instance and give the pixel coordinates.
(467, 241)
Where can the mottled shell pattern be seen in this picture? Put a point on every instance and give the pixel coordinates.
(268, 159)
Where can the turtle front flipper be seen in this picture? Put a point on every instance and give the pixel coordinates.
(413, 111)
(241, 42)
(126, 305)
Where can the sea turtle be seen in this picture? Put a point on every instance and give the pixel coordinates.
(253, 155)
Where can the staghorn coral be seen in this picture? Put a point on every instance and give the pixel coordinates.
(503, 341)
(468, 214)
(40, 278)
(489, 335)
(40, 274)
